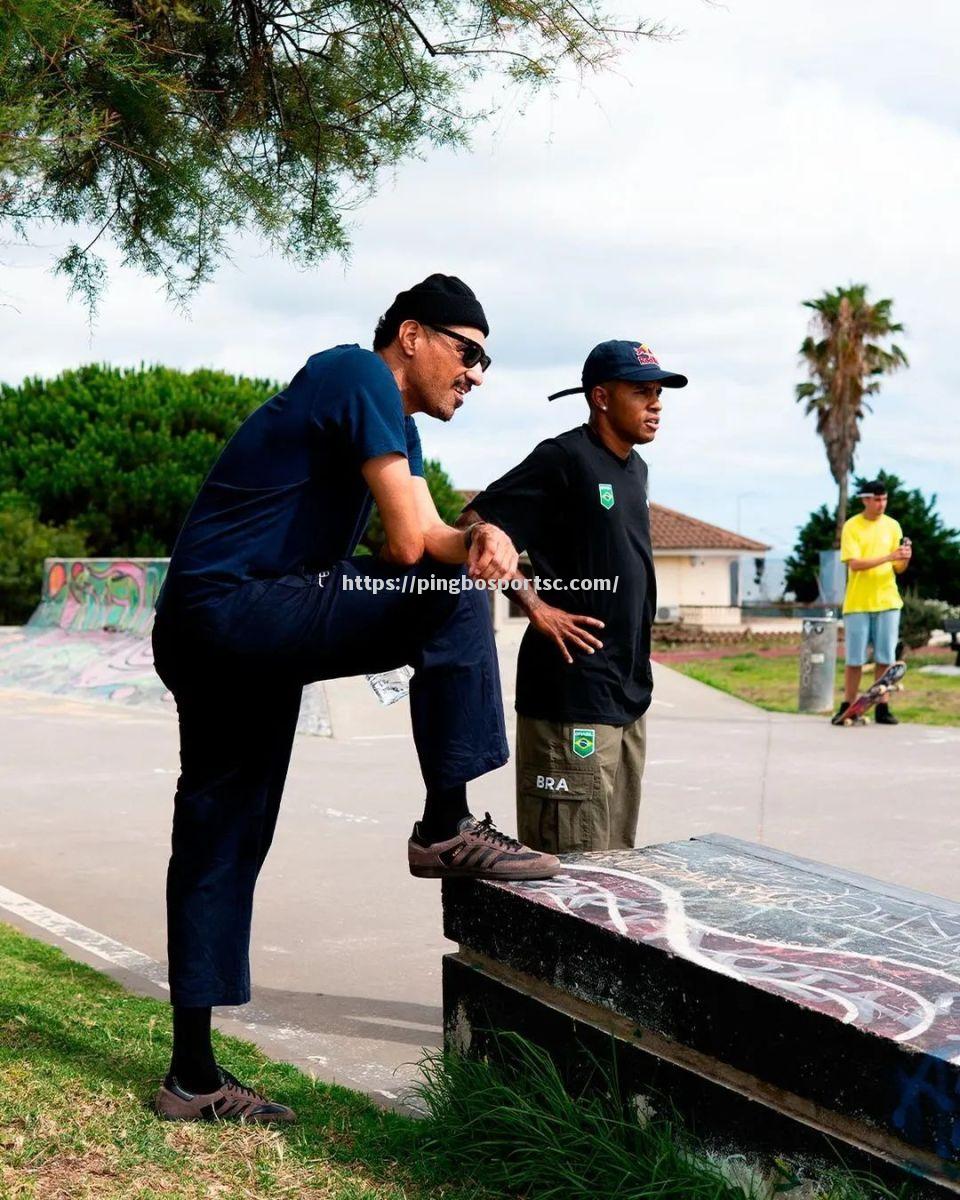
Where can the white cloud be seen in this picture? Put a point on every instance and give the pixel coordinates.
(692, 199)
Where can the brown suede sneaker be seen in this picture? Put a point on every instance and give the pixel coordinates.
(479, 851)
(230, 1102)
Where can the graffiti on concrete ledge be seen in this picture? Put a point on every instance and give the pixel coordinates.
(87, 595)
(930, 1099)
(91, 666)
(899, 977)
(89, 638)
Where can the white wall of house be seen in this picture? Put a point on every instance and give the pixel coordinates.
(696, 583)
(693, 579)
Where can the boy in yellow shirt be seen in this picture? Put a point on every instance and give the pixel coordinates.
(875, 551)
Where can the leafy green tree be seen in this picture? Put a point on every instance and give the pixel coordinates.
(934, 571)
(803, 564)
(121, 453)
(845, 361)
(25, 541)
(446, 497)
(108, 461)
(448, 500)
(165, 125)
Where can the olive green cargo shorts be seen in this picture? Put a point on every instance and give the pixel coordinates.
(578, 786)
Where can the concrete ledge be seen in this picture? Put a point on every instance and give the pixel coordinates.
(829, 1000)
(730, 1111)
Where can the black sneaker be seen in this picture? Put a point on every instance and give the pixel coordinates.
(884, 716)
(844, 705)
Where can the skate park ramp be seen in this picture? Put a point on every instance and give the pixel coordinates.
(89, 638)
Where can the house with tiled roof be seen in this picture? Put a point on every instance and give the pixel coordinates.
(675, 531)
(698, 566)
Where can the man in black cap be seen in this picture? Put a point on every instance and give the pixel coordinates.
(262, 597)
(578, 505)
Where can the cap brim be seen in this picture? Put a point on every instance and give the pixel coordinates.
(654, 375)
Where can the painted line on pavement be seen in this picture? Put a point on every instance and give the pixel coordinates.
(87, 939)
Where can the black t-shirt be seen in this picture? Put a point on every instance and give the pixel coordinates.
(286, 496)
(581, 513)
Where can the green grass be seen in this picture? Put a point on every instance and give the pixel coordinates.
(80, 1058)
(548, 1143)
(510, 1120)
(772, 683)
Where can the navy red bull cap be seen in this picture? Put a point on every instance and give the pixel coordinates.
(633, 361)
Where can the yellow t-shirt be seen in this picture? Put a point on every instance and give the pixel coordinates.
(874, 590)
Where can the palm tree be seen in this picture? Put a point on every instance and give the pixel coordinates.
(845, 361)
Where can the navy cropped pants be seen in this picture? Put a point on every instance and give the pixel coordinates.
(236, 669)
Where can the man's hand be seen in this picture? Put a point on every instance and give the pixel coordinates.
(563, 627)
(492, 555)
(901, 556)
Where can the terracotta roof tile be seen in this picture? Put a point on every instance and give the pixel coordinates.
(672, 530)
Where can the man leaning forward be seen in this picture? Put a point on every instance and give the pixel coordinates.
(263, 597)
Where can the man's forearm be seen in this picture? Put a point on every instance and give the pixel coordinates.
(446, 544)
(865, 564)
(526, 596)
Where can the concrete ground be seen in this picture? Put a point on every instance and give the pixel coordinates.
(347, 946)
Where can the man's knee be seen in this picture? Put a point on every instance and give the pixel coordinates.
(471, 615)
(446, 593)
(222, 821)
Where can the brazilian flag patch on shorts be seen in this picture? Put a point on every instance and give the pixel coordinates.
(584, 742)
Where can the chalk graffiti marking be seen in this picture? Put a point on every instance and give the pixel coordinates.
(903, 1001)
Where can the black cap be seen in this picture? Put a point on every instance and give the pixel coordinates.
(622, 360)
(439, 300)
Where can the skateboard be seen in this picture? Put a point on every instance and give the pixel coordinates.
(888, 682)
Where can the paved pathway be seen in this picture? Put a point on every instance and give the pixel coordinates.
(347, 945)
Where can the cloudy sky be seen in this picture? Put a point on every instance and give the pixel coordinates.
(690, 199)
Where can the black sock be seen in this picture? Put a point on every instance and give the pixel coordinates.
(193, 1065)
(443, 810)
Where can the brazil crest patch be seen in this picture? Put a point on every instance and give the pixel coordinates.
(584, 742)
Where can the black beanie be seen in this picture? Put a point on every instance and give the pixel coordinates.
(439, 300)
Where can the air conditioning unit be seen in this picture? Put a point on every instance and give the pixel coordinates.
(668, 614)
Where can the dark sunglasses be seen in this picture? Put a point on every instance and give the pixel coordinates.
(472, 352)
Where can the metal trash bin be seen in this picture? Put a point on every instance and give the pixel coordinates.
(818, 664)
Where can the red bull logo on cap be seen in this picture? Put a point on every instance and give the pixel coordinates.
(645, 356)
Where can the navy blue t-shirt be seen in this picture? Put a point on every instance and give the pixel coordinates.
(286, 496)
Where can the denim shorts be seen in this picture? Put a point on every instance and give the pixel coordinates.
(878, 629)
